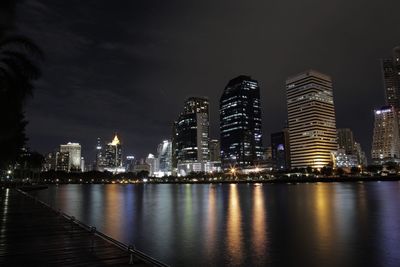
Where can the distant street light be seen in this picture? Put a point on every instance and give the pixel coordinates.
(233, 171)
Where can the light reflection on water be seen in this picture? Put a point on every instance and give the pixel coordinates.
(337, 224)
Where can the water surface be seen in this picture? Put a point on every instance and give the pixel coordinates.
(318, 224)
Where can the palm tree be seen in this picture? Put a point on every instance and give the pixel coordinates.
(18, 70)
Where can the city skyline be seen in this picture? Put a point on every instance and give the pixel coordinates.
(133, 65)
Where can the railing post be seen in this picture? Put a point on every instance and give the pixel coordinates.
(131, 249)
(93, 232)
(72, 224)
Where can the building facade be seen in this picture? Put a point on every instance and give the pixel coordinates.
(113, 154)
(280, 152)
(240, 123)
(385, 142)
(74, 155)
(391, 78)
(311, 120)
(191, 135)
(345, 139)
(215, 150)
(100, 161)
(164, 155)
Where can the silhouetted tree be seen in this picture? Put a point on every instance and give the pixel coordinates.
(18, 70)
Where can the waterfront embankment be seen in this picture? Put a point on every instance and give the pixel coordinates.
(34, 234)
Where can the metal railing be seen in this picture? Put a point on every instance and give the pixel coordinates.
(133, 252)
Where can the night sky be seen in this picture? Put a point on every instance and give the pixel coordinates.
(128, 66)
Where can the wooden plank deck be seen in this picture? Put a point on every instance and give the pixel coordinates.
(32, 234)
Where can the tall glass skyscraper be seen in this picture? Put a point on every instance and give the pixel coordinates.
(386, 138)
(113, 153)
(312, 123)
(391, 78)
(191, 135)
(164, 155)
(240, 123)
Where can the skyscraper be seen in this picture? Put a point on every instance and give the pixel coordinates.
(164, 155)
(74, 155)
(240, 123)
(312, 123)
(385, 143)
(62, 161)
(280, 150)
(100, 156)
(191, 135)
(113, 154)
(215, 150)
(346, 140)
(391, 78)
(152, 161)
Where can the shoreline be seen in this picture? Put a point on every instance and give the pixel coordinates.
(354, 179)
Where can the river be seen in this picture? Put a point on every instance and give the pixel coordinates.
(315, 224)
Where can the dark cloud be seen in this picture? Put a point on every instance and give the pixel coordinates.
(127, 66)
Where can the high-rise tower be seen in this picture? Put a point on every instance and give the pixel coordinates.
(113, 153)
(385, 143)
(240, 123)
(391, 78)
(191, 135)
(74, 155)
(312, 123)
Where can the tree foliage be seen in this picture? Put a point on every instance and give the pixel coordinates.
(18, 69)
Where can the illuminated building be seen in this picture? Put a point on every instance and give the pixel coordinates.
(361, 156)
(83, 164)
(129, 163)
(349, 153)
(345, 160)
(74, 155)
(391, 78)
(62, 161)
(191, 135)
(164, 155)
(112, 161)
(153, 164)
(50, 162)
(240, 123)
(113, 153)
(312, 123)
(100, 162)
(385, 143)
(280, 150)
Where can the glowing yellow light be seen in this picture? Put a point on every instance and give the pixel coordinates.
(115, 141)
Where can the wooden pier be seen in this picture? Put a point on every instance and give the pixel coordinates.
(33, 234)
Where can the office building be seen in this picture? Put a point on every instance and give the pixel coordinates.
(100, 161)
(280, 152)
(62, 161)
(129, 163)
(215, 150)
(191, 135)
(311, 117)
(74, 155)
(345, 139)
(240, 123)
(152, 161)
(385, 143)
(164, 155)
(113, 153)
(391, 78)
